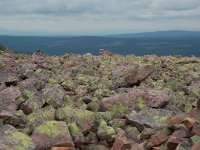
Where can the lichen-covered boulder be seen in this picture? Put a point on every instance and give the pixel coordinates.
(105, 132)
(15, 118)
(149, 118)
(77, 136)
(138, 97)
(84, 118)
(11, 139)
(40, 116)
(52, 134)
(53, 95)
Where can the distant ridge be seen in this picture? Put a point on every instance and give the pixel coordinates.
(170, 33)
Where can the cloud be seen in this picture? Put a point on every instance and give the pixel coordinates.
(57, 15)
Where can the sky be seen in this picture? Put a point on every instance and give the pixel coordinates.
(96, 17)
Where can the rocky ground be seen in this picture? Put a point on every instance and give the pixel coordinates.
(99, 102)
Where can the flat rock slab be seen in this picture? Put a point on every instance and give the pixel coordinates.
(154, 98)
(149, 118)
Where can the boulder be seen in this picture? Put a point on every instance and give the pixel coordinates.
(83, 118)
(105, 132)
(15, 118)
(121, 142)
(52, 134)
(149, 118)
(53, 95)
(10, 98)
(10, 138)
(152, 98)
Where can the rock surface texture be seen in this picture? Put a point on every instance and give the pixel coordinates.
(105, 102)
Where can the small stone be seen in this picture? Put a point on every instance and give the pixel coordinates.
(189, 122)
(196, 129)
(196, 146)
(175, 120)
(157, 139)
(121, 142)
(173, 142)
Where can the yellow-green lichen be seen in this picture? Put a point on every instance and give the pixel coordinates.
(74, 129)
(117, 109)
(141, 103)
(51, 129)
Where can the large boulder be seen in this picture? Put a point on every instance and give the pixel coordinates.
(152, 98)
(52, 134)
(12, 139)
(149, 118)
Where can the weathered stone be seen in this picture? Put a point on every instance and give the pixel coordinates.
(51, 134)
(150, 118)
(41, 116)
(132, 133)
(196, 146)
(105, 132)
(157, 139)
(153, 98)
(84, 118)
(173, 142)
(196, 129)
(189, 122)
(139, 74)
(31, 105)
(96, 147)
(175, 120)
(10, 98)
(77, 136)
(10, 138)
(121, 142)
(54, 95)
(15, 118)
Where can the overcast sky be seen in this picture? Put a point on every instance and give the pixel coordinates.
(90, 17)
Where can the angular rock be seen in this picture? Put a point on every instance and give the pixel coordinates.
(140, 74)
(173, 142)
(77, 136)
(157, 139)
(15, 118)
(31, 105)
(10, 138)
(196, 129)
(196, 146)
(121, 142)
(84, 118)
(105, 132)
(41, 116)
(172, 121)
(54, 95)
(153, 98)
(10, 98)
(189, 122)
(52, 134)
(149, 118)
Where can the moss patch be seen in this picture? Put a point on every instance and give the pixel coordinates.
(141, 103)
(117, 109)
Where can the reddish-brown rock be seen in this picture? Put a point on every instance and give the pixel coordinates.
(175, 120)
(157, 139)
(52, 134)
(189, 122)
(196, 146)
(172, 143)
(196, 129)
(121, 142)
(9, 99)
(138, 75)
(154, 98)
